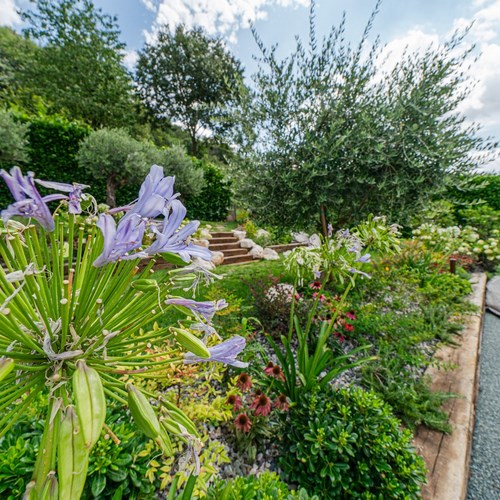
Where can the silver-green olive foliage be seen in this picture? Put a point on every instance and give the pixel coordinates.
(330, 128)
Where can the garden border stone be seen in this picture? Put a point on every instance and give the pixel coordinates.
(447, 456)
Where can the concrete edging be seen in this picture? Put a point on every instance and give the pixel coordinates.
(447, 456)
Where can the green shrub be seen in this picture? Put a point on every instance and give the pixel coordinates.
(484, 187)
(266, 486)
(482, 217)
(346, 443)
(215, 198)
(13, 140)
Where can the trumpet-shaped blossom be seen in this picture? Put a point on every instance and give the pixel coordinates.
(120, 241)
(155, 195)
(74, 193)
(205, 309)
(224, 352)
(172, 239)
(28, 201)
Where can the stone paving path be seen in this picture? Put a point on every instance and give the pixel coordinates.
(484, 481)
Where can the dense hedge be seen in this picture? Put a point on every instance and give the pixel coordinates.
(490, 193)
(215, 199)
(53, 144)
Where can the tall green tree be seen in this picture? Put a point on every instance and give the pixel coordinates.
(327, 129)
(79, 70)
(17, 57)
(188, 77)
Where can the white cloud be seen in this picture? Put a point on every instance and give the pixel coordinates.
(217, 17)
(8, 13)
(130, 59)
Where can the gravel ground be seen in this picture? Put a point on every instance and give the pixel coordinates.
(484, 483)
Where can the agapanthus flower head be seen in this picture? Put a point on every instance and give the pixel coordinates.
(120, 242)
(155, 195)
(244, 381)
(28, 201)
(243, 423)
(205, 309)
(224, 352)
(173, 238)
(75, 193)
(281, 403)
(235, 401)
(261, 405)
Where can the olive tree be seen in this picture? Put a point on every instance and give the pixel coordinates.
(326, 129)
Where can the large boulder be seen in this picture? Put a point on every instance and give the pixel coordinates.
(239, 234)
(205, 234)
(270, 254)
(262, 233)
(257, 252)
(217, 258)
(202, 242)
(247, 243)
(300, 237)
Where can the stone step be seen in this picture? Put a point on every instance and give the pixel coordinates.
(235, 251)
(218, 241)
(222, 234)
(287, 246)
(237, 259)
(224, 246)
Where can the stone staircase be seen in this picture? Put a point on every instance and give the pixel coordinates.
(226, 243)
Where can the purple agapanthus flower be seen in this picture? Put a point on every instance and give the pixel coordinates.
(205, 309)
(224, 352)
(364, 259)
(120, 241)
(74, 193)
(28, 201)
(155, 195)
(172, 239)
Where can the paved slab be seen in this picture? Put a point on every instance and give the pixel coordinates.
(448, 456)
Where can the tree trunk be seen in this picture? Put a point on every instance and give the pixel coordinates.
(111, 191)
(324, 223)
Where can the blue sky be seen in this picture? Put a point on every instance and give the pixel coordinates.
(413, 23)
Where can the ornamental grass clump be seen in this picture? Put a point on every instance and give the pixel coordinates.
(73, 304)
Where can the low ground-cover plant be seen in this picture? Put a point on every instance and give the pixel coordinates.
(345, 443)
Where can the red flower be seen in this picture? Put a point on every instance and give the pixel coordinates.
(243, 423)
(244, 382)
(349, 327)
(235, 401)
(315, 285)
(351, 315)
(261, 405)
(339, 337)
(281, 403)
(274, 371)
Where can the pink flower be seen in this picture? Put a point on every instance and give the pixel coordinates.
(349, 327)
(243, 423)
(244, 382)
(351, 315)
(315, 285)
(261, 405)
(274, 371)
(281, 403)
(235, 401)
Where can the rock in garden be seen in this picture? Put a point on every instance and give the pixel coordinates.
(493, 295)
(205, 234)
(202, 242)
(257, 252)
(262, 233)
(300, 237)
(270, 254)
(240, 234)
(217, 258)
(247, 243)
(314, 240)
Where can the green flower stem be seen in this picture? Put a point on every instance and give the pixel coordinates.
(9, 396)
(24, 357)
(55, 268)
(46, 458)
(111, 394)
(71, 238)
(13, 415)
(161, 334)
(9, 328)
